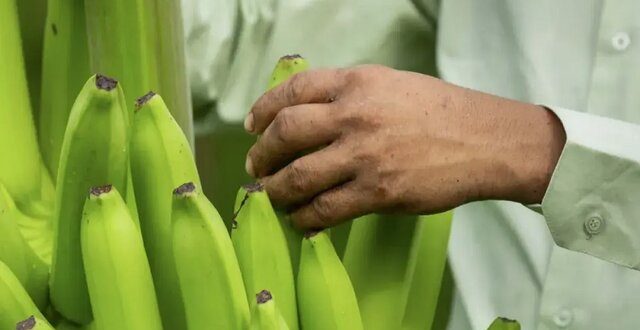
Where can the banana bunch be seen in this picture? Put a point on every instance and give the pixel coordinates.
(110, 229)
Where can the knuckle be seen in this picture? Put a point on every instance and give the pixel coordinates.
(282, 125)
(322, 209)
(295, 87)
(298, 177)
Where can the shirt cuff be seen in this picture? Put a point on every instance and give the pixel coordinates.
(592, 203)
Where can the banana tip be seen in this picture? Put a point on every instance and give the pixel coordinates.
(253, 187)
(99, 190)
(311, 233)
(507, 320)
(27, 324)
(185, 188)
(105, 83)
(290, 57)
(142, 100)
(263, 296)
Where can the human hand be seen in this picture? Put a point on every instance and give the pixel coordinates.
(384, 140)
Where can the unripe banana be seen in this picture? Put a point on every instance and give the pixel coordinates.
(210, 278)
(161, 160)
(503, 323)
(376, 258)
(20, 165)
(265, 314)
(326, 298)
(117, 271)
(94, 152)
(17, 254)
(286, 67)
(425, 272)
(65, 68)
(33, 323)
(265, 263)
(140, 43)
(15, 303)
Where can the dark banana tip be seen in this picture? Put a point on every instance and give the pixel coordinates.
(311, 233)
(507, 320)
(253, 187)
(99, 190)
(142, 100)
(184, 188)
(290, 57)
(263, 296)
(105, 83)
(27, 324)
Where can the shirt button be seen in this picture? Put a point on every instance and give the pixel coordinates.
(620, 41)
(563, 318)
(594, 225)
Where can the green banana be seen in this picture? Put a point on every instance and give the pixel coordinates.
(66, 325)
(121, 44)
(161, 159)
(503, 323)
(376, 258)
(31, 270)
(206, 264)
(325, 295)
(265, 314)
(33, 323)
(286, 67)
(172, 66)
(339, 236)
(294, 240)
(117, 271)
(265, 263)
(94, 152)
(20, 168)
(33, 14)
(65, 68)
(15, 303)
(424, 276)
(140, 43)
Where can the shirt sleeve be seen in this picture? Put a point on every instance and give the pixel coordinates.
(592, 203)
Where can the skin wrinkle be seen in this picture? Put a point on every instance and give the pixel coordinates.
(408, 143)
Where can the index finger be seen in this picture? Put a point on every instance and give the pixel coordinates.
(315, 86)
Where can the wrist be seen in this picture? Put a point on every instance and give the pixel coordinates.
(527, 149)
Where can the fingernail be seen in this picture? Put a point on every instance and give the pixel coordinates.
(248, 166)
(248, 123)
